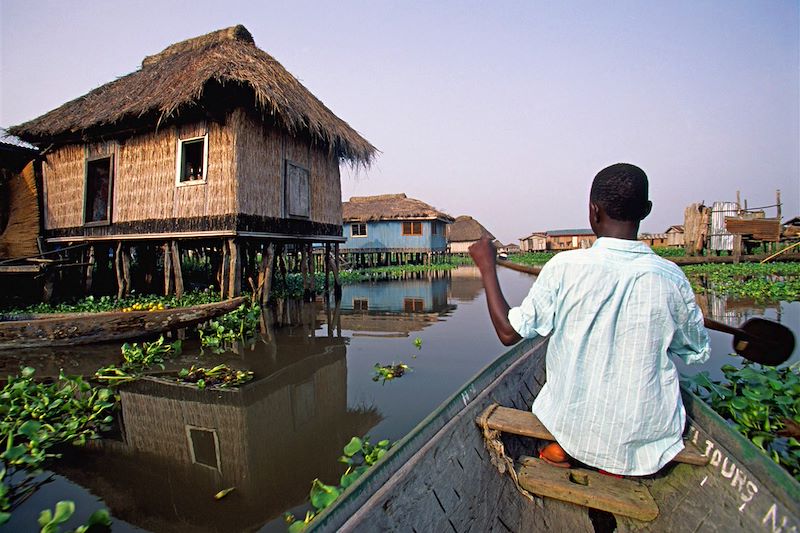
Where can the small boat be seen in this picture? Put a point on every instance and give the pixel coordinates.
(30, 331)
(442, 476)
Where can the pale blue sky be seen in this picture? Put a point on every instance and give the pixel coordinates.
(501, 110)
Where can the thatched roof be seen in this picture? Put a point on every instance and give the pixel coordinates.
(389, 207)
(175, 80)
(467, 229)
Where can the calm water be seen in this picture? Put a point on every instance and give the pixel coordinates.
(177, 446)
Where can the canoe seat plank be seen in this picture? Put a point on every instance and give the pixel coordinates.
(624, 497)
(526, 424)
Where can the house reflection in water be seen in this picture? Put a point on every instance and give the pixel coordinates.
(394, 308)
(269, 439)
(465, 283)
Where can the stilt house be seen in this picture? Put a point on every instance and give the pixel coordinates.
(211, 143)
(393, 229)
(465, 231)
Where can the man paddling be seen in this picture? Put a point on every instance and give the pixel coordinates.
(616, 312)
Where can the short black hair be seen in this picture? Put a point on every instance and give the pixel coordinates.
(621, 190)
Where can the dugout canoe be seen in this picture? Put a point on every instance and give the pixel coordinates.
(68, 329)
(440, 477)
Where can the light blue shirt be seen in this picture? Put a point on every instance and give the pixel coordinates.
(616, 311)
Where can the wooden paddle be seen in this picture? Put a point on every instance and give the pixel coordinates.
(759, 340)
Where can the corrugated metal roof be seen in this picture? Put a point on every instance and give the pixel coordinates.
(567, 232)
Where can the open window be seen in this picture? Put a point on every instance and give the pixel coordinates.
(358, 230)
(360, 304)
(413, 305)
(298, 193)
(192, 160)
(412, 228)
(97, 197)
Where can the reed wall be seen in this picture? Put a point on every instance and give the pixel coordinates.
(261, 153)
(18, 238)
(62, 178)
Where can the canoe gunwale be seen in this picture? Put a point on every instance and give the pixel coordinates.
(399, 455)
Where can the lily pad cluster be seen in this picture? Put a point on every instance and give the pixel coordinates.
(763, 404)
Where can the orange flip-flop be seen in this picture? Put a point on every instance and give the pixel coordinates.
(555, 455)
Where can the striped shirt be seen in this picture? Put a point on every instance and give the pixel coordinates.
(617, 312)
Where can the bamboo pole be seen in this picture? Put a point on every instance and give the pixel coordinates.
(326, 267)
(89, 271)
(235, 270)
(176, 268)
(265, 274)
(167, 269)
(125, 252)
(118, 270)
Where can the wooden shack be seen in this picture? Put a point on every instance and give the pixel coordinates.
(535, 242)
(675, 236)
(465, 231)
(391, 229)
(212, 146)
(654, 239)
(570, 239)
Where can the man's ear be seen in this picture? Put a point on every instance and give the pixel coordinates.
(649, 208)
(594, 212)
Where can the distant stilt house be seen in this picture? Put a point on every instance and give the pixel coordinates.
(570, 239)
(535, 242)
(210, 146)
(465, 231)
(511, 248)
(392, 229)
(675, 236)
(654, 239)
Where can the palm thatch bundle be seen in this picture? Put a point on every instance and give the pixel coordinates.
(467, 229)
(196, 76)
(19, 215)
(390, 207)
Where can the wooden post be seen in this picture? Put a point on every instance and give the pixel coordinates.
(235, 270)
(49, 284)
(304, 270)
(326, 267)
(224, 270)
(167, 269)
(312, 280)
(126, 269)
(337, 287)
(89, 271)
(265, 274)
(778, 203)
(737, 249)
(118, 270)
(176, 267)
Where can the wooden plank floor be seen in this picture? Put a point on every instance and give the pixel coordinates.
(526, 424)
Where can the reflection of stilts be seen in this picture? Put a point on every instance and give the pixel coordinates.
(337, 317)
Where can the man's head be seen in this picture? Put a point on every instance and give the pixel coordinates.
(618, 200)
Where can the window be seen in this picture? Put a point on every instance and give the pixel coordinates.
(203, 446)
(298, 194)
(413, 305)
(360, 304)
(358, 230)
(97, 200)
(412, 228)
(192, 160)
(435, 229)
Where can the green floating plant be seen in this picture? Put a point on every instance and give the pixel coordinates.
(384, 373)
(762, 403)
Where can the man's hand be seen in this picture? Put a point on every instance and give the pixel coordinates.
(483, 253)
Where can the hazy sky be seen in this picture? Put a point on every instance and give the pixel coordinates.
(501, 110)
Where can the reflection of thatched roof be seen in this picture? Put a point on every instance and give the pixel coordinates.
(389, 207)
(467, 229)
(175, 80)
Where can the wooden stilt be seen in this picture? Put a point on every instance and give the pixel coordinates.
(89, 271)
(167, 269)
(265, 274)
(326, 267)
(235, 270)
(125, 252)
(304, 271)
(176, 268)
(337, 287)
(49, 284)
(118, 270)
(312, 280)
(225, 270)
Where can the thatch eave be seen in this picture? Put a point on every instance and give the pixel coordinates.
(180, 76)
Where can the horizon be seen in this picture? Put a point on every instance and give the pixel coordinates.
(505, 112)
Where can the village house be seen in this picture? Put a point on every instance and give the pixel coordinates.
(393, 229)
(211, 146)
(569, 239)
(535, 242)
(675, 236)
(464, 232)
(653, 239)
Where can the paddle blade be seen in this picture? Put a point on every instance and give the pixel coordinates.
(764, 341)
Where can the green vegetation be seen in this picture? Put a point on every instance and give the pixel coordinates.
(532, 258)
(761, 282)
(137, 360)
(239, 324)
(384, 373)
(220, 376)
(35, 417)
(359, 455)
(669, 251)
(761, 403)
(51, 521)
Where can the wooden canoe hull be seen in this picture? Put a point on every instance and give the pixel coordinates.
(440, 478)
(114, 326)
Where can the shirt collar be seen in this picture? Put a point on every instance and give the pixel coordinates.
(624, 245)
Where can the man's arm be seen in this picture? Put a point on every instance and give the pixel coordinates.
(483, 253)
